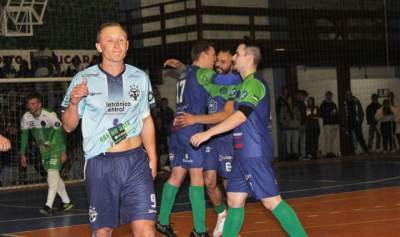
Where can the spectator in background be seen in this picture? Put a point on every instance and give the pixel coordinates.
(373, 124)
(397, 120)
(312, 128)
(8, 70)
(75, 66)
(96, 59)
(281, 102)
(45, 63)
(354, 115)
(385, 115)
(394, 125)
(329, 114)
(24, 70)
(289, 117)
(301, 105)
(166, 115)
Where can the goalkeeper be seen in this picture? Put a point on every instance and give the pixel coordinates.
(49, 135)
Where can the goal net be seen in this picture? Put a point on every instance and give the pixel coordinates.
(12, 107)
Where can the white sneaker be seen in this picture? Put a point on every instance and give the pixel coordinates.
(219, 227)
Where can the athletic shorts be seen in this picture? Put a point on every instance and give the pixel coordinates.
(253, 175)
(51, 160)
(219, 157)
(120, 188)
(185, 156)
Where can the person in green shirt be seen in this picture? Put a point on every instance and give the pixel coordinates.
(49, 135)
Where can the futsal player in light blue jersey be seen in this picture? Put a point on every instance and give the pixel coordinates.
(112, 99)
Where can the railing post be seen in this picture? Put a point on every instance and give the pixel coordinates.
(199, 20)
(162, 25)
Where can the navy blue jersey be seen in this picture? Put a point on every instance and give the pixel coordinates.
(191, 97)
(217, 103)
(253, 138)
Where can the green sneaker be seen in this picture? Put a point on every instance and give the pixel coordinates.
(65, 207)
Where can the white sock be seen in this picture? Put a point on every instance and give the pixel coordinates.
(52, 180)
(62, 191)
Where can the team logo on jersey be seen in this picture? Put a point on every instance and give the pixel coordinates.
(134, 92)
(212, 105)
(92, 214)
(243, 94)
(171, 156)
(234, 93)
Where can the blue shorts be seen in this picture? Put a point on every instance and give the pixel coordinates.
(219, 157)
(120, 188)
(185, 156)
(253, 175)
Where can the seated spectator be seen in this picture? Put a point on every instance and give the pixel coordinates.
(24, 70)
(8, 70)
(75, 66)
(95, 60)
(45, 63)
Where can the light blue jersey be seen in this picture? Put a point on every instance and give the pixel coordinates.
(114, 109)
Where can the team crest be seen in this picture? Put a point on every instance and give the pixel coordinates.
(92, 214)
(134, 92)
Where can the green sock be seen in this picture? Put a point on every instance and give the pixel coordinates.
(196, 196)
(167, 202)
(233, 222)
(288, 220)
(220, 208)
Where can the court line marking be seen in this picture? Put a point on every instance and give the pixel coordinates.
(43, 218)
(320, 226)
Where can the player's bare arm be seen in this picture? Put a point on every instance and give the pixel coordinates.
(174, 63)
(148, 138)
(5, 144)
(187, 119)
(70, 117)
(233, 121)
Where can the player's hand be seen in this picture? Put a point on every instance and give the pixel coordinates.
(63, 158)
(5, 144)
(184, 120)
(174, 63)
(81, 90)
(24, 162)
(153, 170)
(199, 138)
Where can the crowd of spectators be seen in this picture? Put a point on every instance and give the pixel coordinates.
(299, 117)
(44, 63)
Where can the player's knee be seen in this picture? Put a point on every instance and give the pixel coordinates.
(210, 183)
(104, 232)
(144, 229)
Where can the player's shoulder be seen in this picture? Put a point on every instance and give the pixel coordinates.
(47, 111)
(136, 74)
(254, 84)
(27, 116)
(134, 71)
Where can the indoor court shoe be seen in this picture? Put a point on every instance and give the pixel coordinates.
(165, 230)
(65, 206)
(46, 210)
(197, 234)
(219, 227)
